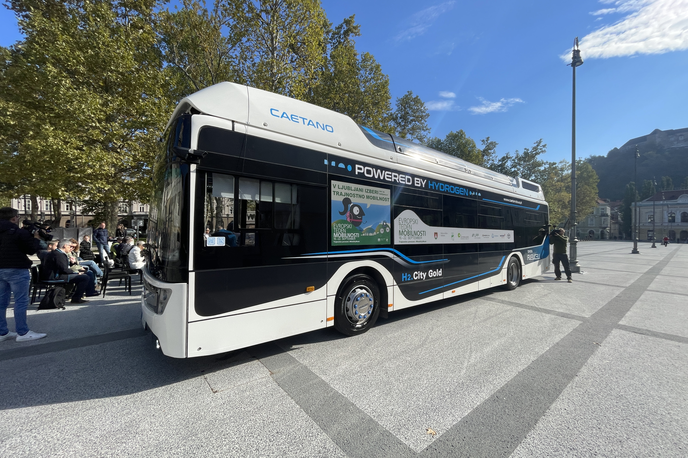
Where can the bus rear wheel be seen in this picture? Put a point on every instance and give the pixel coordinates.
(358, 305)
(513, 274)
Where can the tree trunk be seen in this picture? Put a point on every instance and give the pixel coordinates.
(34, 207)
(57, 211)
(112, 212)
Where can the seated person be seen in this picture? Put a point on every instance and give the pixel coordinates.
(91, 265)
(43, 254)
(56, 266)
(136, 259)
(85, 249)
(114, 251)
(126, 247)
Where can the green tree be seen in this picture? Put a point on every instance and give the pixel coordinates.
(198, 46)
(648, 189)
(489, 153)
(527, 164)
(460, 145)
(283, 43)
(557, 189)
(586, 189)
(410, 118)
(86, 98)
(555, 179)
(666, 184)
(684, 183)
(351, 84)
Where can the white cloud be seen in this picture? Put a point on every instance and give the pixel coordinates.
(492, 107)
(443, 105)
(649, 27)
(423, 20)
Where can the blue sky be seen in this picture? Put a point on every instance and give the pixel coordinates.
(498, 68)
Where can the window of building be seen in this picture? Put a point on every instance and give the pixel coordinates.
(671, 217)
(142, 208)
(650, 217)
(684, 217)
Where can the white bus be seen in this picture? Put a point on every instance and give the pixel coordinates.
(273, 217)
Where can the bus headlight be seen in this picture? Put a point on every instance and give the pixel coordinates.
(156, 298)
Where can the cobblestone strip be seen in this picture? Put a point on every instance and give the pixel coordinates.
(354, 431)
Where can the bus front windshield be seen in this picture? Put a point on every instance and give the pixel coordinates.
(167, 259)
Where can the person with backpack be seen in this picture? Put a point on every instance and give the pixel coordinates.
(15, 246)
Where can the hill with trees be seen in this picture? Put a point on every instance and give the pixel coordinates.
(662, 156)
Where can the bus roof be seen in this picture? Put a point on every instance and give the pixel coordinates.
(265, 110)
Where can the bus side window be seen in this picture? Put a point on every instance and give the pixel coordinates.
(219, 211)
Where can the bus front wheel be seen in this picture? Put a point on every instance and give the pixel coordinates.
(358, 305)
(513, 274)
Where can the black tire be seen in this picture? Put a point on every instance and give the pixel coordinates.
(513, 274)
(358, 305)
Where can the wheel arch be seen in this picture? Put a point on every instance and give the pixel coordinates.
(376, 271)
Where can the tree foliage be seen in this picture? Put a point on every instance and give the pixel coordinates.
(351, 84)
(666, 184)
(460, 145)
(281, 45)
(410, 118)
(648, 189)
(85, 96)
(199, 47)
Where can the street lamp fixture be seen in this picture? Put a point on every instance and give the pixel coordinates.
(576, 61)
(635, 200)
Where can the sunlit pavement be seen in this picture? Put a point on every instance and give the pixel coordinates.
(598, 367)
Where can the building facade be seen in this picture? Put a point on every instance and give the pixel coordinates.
(598, 224)
(73, 214)
(663, 214)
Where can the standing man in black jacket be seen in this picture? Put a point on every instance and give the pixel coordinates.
(15, 246)
(100, 236)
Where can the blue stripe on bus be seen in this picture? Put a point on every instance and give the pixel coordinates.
(466, 279)
(511, 205)
(388, 140)
(373, 250)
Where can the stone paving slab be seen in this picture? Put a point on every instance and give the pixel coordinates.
(617, 407)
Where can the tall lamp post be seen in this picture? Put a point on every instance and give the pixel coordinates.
(635, 202)
(576, 61)
(654, 183)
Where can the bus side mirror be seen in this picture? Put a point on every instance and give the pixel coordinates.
(189, 155)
